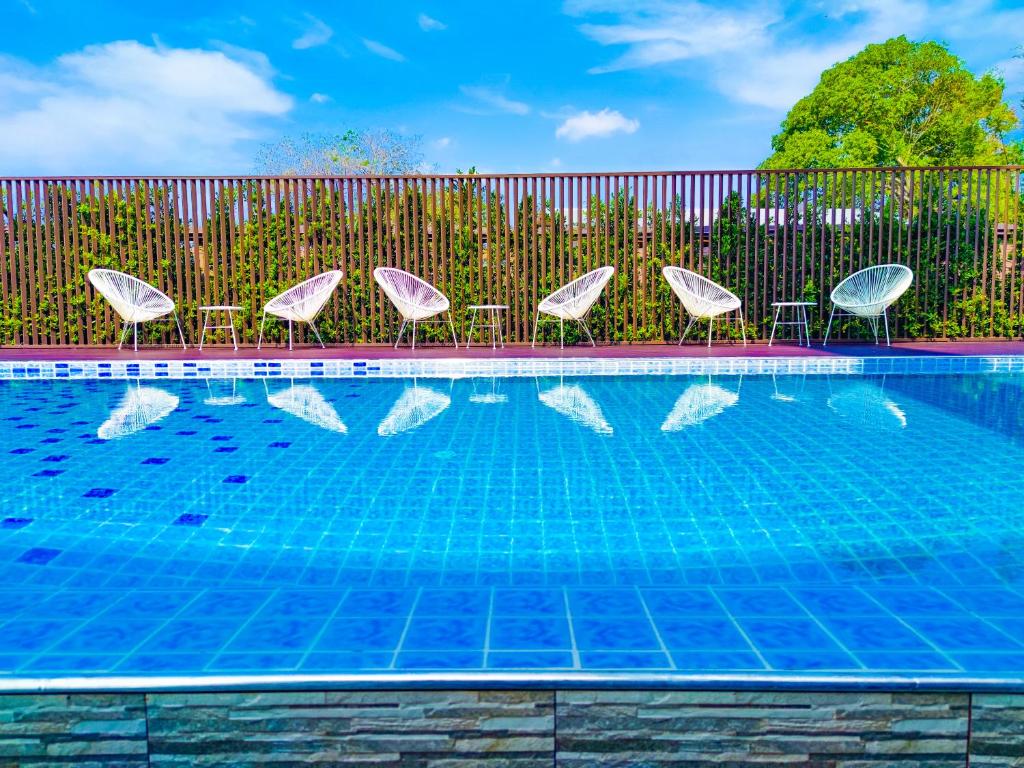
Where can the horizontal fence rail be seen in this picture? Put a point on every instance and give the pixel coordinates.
(512, 239)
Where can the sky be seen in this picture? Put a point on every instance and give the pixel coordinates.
(526, 86)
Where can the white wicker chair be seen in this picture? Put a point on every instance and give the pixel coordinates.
(302, 303)
(136, 301)
(703, 299)
(869, 293)
(140, 407)
(415, 299)
(573, 301)
(417, 405)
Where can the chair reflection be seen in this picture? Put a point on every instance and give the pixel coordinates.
(697, 404)
(573, 401)
(139, 408)
(219, 395)
(489, 397)
(416, 406)
(867, 404)
(304, 401)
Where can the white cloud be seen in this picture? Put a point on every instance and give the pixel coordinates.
(379, 49)
(316, 33)
(770, 54)
(441, 143)
(125, 107)
(320, 98)
(493, 99)
(585, 125)
(428, 24)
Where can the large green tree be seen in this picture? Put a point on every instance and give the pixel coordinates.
(898, 103)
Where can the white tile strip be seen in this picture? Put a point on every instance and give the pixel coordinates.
(458, 368)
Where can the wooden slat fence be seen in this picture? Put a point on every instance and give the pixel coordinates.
(511, 239)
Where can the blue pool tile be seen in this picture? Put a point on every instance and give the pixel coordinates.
(989, 661)
(72, 663)
(277, 633)
(99, 636)
(226, 449)
(759, 602)
(602, 634)
(964, 635)
(448, 633)
(528, 602)
(191, 518)
(911, 661)
(38, 555)
(810, 661)
(99, 493)
(624, 660)
(171, 663)
(302, 603)
(32, 635)
(21, 451)
(255, 663)
(914, 601)
(427, 660)
(377, 602)
(876, 634)
(326, 662)
(226, 603)
(56, 458)
(786, 634)
(191, 636)
(528, 633)
(361, 634)
(527, 660)
(76, 603)
(837, 602)
(717, 661)
(48, 473)
(14, 523)
(679, 633)
(147, 603)
(453, 602)
(237, 479)
(279, 444)
(156, 460)
(605, 602)
(673, 602)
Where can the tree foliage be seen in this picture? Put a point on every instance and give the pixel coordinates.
(377, 152)
(898, 103)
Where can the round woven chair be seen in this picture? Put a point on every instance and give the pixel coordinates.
(703, 299)
(869, 293)
(136, 301)
(416, 300)
(573, 301)
(302, 303)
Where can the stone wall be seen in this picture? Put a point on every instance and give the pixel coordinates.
(512, 729)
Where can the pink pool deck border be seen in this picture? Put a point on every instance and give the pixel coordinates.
(513, 351)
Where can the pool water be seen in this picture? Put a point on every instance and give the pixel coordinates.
(811, 524)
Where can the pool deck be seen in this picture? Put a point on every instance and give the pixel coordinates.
(521, 351)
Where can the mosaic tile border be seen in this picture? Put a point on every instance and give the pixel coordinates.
(459, 368)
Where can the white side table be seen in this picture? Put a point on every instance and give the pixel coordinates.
(494, 316)
(799, 320)
(206, 309)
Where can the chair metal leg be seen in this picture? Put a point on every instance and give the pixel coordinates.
(743, 328)
(688, 326)
(401, 330)
(289, 335)
(561, 333)
(586, 330)
(262, 323)
(829, 329)
(469, 336)
(414, 334)
(317, 334)
(136, 335)
(873, 322)
(775, 324)
(124, 334)
(202, 333)
(536, 322)
(711, 327)
(451, 323)
(885, 316)
(181, 333)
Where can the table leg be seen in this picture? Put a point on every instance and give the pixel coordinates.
(469, 336)
(775, 324)
(807, 327)
(234, 336)
(501, 335)
(494, 325)
(202, 334)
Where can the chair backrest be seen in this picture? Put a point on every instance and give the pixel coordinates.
(700, 297)
(127, 294)
(871, 290)
(305, 300)
(412, 296)
(574, 300)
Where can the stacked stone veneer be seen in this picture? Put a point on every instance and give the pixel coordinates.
(512, 729)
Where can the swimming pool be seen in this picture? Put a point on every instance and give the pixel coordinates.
(814, 524)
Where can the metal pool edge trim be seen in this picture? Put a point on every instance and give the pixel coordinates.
(510, 681)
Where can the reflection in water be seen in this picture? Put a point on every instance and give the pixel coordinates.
(140, 407)
(868, 405)
(490, 397)
(573, 401)
(788, 394)
(698, 403)
(416, 406)
(305, 402)
(220, 395)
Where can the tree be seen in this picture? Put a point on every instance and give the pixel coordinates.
(353, 152)
(898, 103)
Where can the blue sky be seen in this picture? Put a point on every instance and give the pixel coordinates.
(188, 87)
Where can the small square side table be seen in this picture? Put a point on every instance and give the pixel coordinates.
(493, 312)
(207, 309)
(799, 320)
